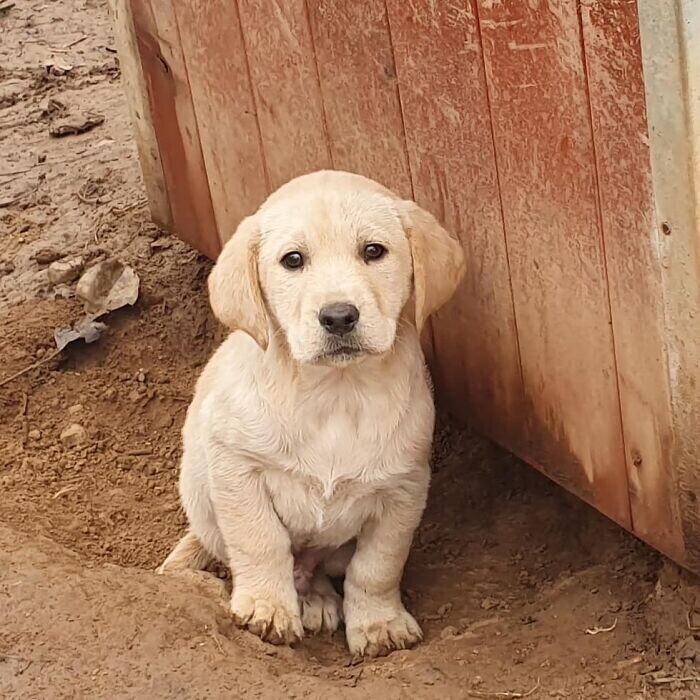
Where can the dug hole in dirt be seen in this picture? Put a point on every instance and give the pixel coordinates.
(522, 591)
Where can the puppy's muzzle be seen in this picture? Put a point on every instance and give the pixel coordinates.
(339, 318)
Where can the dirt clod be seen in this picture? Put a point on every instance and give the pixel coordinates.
(73, 435)
(65, 271)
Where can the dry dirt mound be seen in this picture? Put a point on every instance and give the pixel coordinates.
(518, 587)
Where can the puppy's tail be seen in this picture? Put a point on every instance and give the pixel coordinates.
(187, 554)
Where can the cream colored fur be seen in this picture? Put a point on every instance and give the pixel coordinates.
(288, 451)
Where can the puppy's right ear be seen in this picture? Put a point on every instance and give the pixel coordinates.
(234, 286)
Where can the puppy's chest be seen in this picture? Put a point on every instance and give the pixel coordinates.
(331, 478)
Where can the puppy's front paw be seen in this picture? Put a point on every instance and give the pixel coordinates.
(270, 620)
(378, 636)
(321, 607)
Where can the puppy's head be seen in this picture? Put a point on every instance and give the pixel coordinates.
(331, 260)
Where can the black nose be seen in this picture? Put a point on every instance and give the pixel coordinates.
(339, 319)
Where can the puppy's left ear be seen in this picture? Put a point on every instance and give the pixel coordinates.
(234, 287)
(438, 260)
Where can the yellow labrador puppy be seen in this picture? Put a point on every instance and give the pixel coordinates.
(306, 446)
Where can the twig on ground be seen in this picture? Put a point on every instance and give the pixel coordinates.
(23, 407)
(64, 490)
(506, 693)
(667, 680)
(601, 630)
(87, 200)
(119, 211)
(34, 365)
(218, 643)
(67, 47)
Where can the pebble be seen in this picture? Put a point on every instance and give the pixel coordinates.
(6, 267)
(45, 256)
(73, 435)
(444, 610)
(449, 632)
(65, 271)
(34, 434)
(76, 409)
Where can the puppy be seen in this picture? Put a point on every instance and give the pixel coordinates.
(306, 445)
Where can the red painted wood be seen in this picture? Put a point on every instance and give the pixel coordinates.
(360, 90)
(175, 124)
(217, 67)
(446, 114)
(614, 63)
(285, 80)
(540, 114)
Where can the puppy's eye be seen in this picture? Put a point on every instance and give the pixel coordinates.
(293, 260)
(373, 251)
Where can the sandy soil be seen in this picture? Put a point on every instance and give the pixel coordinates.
(521, 590)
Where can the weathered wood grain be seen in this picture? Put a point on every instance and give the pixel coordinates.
(540, 114)
(360, 90)
(286, 84)
(134, 84)
(446, 114)
(670, 38)
(217, 66)
(174, 123)
(616, 84)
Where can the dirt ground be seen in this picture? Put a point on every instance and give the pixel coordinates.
(522, 591)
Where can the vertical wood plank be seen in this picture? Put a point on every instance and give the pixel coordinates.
(670, 38)
(360, 90)
(540, 114)
(448, 131)
(286, 85)
(175, 124)
(217, 66)
(134, 84)
(614, 65)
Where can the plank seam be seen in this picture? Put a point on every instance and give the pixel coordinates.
(253, 97)
(601, 231)
(324, 118)
(398, 97)
(487, 92)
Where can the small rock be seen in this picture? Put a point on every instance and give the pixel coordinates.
(489, 604)
(134, 395)
(45, 256)
(73, 435)
(108, 285)
(141, 377)
(34, 434)
(65, 271)
(444, 610)
(40, 352)
(449, 632)
(161, 244)
(6, 267)
(76, 409)
(688, 649)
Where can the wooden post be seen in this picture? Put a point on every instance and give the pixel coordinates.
(134, 83)
(670, 36)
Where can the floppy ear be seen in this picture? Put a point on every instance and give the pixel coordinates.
(438, 260)
(234, 287)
